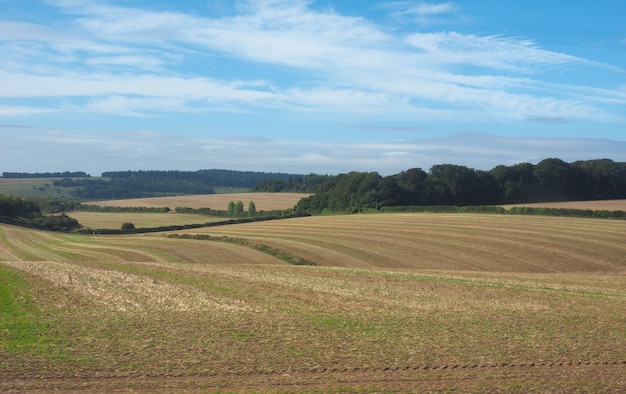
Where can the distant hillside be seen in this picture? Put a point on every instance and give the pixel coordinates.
(65, 174)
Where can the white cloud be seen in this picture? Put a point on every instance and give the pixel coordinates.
(10, 30)
(422, 13)
(422, 8)
(131, 61)
(12, 110)
(71, 84)
(494, 52)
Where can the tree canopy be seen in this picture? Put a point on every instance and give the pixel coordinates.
(134, 184)
(448, 184)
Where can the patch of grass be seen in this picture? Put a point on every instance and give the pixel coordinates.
(21, 324)
(242, 336)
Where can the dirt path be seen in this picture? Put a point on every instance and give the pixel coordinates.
(594, 377)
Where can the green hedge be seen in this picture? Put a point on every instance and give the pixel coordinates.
(581, 213)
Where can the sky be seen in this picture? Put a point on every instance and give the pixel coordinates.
(325, 86)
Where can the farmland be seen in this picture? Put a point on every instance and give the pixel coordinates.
(98, 220)
(32, 188)
(394, 302)
(263, 201)
(109, 220)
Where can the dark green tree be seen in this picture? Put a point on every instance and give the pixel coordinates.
(238, 209)
(456, 185)
(251, 209)
(231, 208)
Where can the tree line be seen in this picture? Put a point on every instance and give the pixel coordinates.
(293, 184)
(448, 184)
(135, 184)
(65, 174)
(27, 213)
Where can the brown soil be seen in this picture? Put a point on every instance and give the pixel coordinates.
(529, 377)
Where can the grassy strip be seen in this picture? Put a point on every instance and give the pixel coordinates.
(20, 326)
(579, 213)
(242, 242)
(444, 209)
(143, 230)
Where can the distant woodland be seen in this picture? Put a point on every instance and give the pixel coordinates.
(65, 174)
(135, 184)
(442, 185)
(448, 184)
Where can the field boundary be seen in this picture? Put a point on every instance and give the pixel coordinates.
(279, 254)
(143, 230)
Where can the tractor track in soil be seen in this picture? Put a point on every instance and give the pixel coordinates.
(560, 376)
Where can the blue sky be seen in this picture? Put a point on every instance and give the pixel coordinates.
(309, 86)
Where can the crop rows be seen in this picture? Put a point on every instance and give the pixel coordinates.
(439, 241)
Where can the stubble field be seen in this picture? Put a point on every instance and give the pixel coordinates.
(262, 201)
(109, 220)
(395, 302)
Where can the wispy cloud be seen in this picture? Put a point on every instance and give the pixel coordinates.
(420, 12)
(493, 52)
(12, 110)
(129, 61)
(293, 84)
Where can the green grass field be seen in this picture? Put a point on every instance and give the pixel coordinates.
(396, 303)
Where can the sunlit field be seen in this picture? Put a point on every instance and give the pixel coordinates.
(108, 220)
(394, 302)
(262, 201)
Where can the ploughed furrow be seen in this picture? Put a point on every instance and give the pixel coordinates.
(541, 375)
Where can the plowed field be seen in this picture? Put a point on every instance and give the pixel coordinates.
(396, 303)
